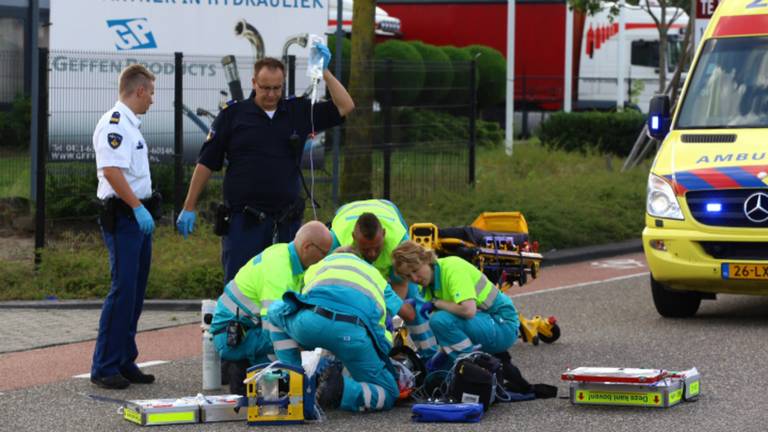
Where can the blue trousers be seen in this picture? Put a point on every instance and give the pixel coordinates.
(457, 335)
(256, 347)
(371, 386)
(418, 329)
(246, 239)
(130, 254)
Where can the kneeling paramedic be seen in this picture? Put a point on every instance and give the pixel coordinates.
(341, 309)
(375, 227)
(239, 326)
(469, 310)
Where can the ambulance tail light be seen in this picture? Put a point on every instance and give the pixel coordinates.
(661, 201)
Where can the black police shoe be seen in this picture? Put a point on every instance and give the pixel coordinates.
(114, 382)
(136, 376)
(330, 386)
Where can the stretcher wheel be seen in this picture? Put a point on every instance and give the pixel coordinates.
(535, 340)
(555, 335)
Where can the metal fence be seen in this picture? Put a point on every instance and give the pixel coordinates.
(417, 148)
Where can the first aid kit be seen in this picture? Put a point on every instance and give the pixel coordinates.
(184, 410)
(652, 388)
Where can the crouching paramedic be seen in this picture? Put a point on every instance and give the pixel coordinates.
(375, 227)
(468, 309)
(341, 309)
(239, 327)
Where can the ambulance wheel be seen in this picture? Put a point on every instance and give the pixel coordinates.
(555, 335)
(674, 304)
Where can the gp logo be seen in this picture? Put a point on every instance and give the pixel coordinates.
(132, 34)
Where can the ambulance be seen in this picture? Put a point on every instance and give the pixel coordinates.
(707, 205)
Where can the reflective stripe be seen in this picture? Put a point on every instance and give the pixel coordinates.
(346, 284)
(466, 343)
(272, 357)
(241, 298)
(285, 344)
(268, 326)
(366, 395)
(418, 329)
(488, 302)
(429, 343)
(355, 270)
(380, 397)
(236, 310)
(351, 206)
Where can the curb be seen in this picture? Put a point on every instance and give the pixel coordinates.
(552, 258)
(587, 253)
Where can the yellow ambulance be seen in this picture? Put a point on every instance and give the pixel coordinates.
(707, 206)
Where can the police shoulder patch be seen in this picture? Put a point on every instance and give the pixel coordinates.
(115, 119)
(114, 140)
(228, 104)
(211, 134)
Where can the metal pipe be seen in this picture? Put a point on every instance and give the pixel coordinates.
(249, 32)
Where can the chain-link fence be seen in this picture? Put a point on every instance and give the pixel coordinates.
(408, 148)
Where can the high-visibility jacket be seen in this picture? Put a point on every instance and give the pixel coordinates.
(396, 231)
(345, 283)
(456, 280)
(260, 282)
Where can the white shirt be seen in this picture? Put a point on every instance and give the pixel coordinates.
(118, 143)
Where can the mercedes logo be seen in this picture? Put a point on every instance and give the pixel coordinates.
(756, 207)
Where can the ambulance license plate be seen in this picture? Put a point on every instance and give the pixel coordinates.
(745, 271)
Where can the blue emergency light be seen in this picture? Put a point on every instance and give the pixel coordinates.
(655, 123)
(714, 207)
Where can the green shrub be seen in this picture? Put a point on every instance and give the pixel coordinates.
(492, 75)
(407, 75)
(460, 59)
(605, 132)
(439, 73)
(346, 55)
(417, 126)
(14, 124)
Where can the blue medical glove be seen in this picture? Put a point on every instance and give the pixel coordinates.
(144, 219)
(325, 52)
(388, 323)
(185, 223)
(426, 309)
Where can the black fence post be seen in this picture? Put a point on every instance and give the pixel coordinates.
(291, 64)
(524, 134)
(386, 113)
(42, 154)
(178, 134)
(472, 116)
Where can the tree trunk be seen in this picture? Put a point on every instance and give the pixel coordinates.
(358, 166)
(663, 28)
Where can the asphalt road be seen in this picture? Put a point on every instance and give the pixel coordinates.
(603, 324)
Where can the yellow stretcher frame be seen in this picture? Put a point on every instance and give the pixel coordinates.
(514, 262)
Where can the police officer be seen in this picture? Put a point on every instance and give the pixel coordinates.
(341, 309)
(262, 138)
(470, 310)
(239, 326)
(125, 189)
(375, 227)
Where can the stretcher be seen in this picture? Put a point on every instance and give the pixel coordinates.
(497, 243)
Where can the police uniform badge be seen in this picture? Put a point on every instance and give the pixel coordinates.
(115, 119)
(114, 140)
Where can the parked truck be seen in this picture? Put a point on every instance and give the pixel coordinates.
(540, 46)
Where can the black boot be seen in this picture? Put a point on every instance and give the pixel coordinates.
(330, 386)
(236, 372)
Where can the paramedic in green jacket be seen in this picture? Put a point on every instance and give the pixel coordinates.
(375, 227)
(261, 281)
(470, 312)
(341, 309)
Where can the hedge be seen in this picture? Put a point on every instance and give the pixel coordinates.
(408, 72)
(439, 70)
(604, 132)
(491, 75)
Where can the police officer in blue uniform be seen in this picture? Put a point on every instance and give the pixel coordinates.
(262, 139)
(125, 189)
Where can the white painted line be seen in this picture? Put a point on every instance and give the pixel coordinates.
(621, 264)
(582, 284)
(141, 365)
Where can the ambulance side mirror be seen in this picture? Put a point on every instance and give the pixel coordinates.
(659, 117)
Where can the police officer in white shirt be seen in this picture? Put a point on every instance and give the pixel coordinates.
(127, 223)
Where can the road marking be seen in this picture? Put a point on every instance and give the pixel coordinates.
(621, 264)
(582, 284)
(141, 365)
